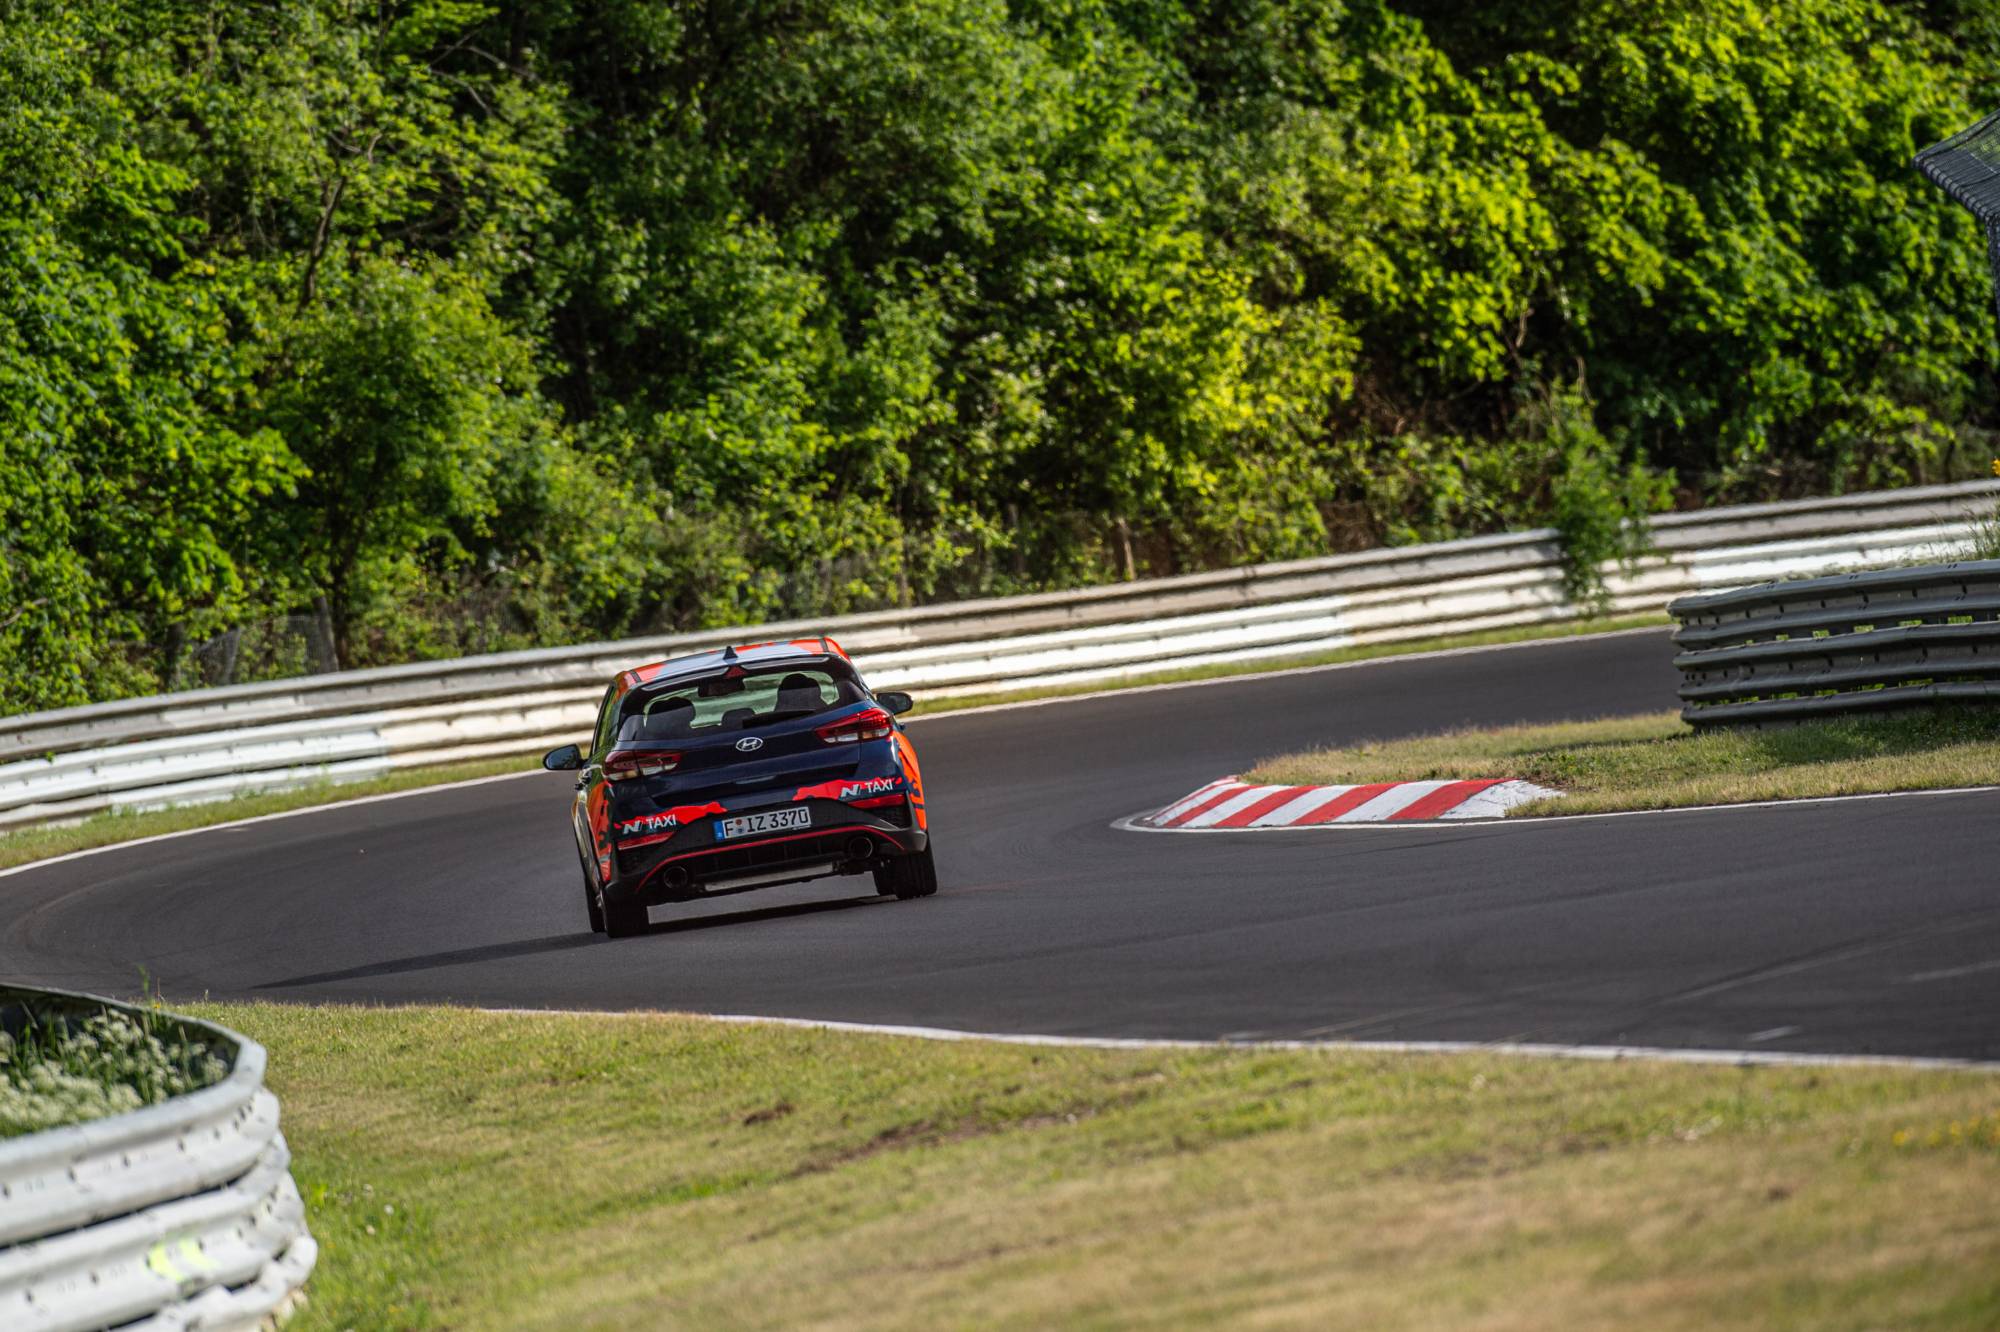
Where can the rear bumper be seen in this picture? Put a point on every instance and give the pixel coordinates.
(680, 873)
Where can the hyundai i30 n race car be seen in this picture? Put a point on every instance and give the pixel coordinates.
(752, 766)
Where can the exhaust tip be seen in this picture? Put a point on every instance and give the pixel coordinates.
(860, 848)
(676, 878)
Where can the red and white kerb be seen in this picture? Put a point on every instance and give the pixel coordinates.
(1229, 803)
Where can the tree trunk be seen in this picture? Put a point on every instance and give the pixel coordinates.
(322, 646)
(170, 655)
(1122, 530)
(232, 648)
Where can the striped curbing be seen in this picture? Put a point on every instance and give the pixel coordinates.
(1229, 804)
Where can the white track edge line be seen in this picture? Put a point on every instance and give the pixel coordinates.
(1518, 1049)
(1134, 822)
(264, 818)
(1251, 676)
(961, 712)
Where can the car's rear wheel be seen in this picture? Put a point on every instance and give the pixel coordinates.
(590, 906)
(623, 916)
(908, 876)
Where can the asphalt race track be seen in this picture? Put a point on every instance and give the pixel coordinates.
(1862, 926)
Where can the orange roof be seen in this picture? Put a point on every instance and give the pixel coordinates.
(748, 654)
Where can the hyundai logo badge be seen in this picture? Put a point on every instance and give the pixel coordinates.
(749, 743)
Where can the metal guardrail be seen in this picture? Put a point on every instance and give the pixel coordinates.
(212, 743)
(181, 1215)
(1864, 642)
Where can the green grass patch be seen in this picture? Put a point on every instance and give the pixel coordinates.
(28, 844)
(468, 1171)
(1657, 761)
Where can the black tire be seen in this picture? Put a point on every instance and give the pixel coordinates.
(590, 906)
(908, 876)
(623, 916)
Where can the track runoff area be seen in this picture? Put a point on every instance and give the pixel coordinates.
(1864, 928)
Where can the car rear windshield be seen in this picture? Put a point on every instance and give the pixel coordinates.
(720, 703)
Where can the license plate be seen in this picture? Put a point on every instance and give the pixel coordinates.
(765, 821)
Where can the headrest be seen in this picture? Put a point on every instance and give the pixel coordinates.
(798, 690)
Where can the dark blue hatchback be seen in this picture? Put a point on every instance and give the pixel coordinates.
(757, 765)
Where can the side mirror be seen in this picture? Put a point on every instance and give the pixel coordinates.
(895, 702)
(563, 758)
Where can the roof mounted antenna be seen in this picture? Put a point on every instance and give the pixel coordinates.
(825, 645)
(728, 653)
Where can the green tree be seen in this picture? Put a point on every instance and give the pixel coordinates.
(126, 505)
(465, 326)
(405, 399)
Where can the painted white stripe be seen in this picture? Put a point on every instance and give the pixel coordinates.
(1497, 800)
(1517, 1049)
(1952, 973)
(1183, 806)
(1241, 800)
(301, 812)
(1392, 801)
(1299, 806)
(1289, 671)
(1187, 807)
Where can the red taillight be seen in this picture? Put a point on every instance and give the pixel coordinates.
(622, 765)
(871, 724)
(876, 802)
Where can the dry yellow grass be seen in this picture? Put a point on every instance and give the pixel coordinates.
(473, 1171)
(1656, 761)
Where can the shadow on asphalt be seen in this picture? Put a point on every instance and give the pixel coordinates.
(558, 943)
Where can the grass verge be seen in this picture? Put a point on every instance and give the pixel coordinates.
(471, 1170)
(18, 848)
(1657, 761)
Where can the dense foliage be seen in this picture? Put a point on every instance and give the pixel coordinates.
(341, 333)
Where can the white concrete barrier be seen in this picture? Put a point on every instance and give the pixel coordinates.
(181, 1215)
